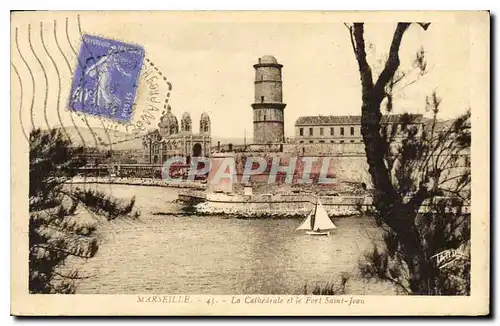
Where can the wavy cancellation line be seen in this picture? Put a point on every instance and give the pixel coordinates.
(84, 144)
(80, 65)
(44, 75)
(58, 82)
(70, 73)
(21, 100)
(88, 50)
(59, 72)
(32, 83)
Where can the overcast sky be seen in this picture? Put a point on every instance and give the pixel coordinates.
(209, 62)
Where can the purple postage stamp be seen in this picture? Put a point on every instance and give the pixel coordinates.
(106, 78)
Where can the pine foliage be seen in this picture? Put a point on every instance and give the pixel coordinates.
(56, 229)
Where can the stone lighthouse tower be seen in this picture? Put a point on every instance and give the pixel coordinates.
(268, 106)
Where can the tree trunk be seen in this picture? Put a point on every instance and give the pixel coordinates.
(400, 217)
(417, 262)
(385, 194)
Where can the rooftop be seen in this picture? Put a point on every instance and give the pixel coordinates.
(268, 59)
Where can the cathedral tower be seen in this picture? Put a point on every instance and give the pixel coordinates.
(268, 106)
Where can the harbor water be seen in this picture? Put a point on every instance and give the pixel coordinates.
(171, 254)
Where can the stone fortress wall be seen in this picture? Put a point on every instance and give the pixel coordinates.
(347, 166)
(346, 173)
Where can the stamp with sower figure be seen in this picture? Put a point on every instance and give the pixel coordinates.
(106, 78)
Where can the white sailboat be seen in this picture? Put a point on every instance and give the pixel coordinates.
(317, 222)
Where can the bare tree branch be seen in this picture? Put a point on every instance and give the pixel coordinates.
(351, 37)
(364, 67)
(392, 63)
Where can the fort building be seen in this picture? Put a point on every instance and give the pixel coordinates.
(347, 129)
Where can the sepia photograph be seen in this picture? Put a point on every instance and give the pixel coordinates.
(249, 163)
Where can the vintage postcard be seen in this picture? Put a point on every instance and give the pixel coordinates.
(250, 163)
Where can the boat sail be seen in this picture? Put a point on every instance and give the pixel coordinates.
(317, 222)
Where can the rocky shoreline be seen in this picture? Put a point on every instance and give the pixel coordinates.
(242, 212)
(144, 182)
(194, 201)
